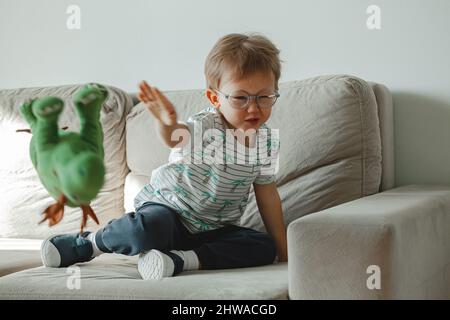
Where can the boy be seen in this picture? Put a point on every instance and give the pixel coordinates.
(186, 217)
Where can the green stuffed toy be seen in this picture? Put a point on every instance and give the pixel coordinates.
(69, 164)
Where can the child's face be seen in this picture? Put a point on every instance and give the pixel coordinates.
(261, 83)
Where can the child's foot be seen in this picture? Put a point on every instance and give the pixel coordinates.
(65, 250)
(154, 265)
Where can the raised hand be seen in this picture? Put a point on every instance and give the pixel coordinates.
(158, 105)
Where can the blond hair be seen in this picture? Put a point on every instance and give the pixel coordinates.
(243, 54)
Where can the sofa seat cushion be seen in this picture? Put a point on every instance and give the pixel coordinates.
(13, 261)
(18, 254)
(112, 276)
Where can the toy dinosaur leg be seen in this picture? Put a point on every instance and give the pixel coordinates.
(91, 132)
(27, 114)
(55, 212)
(87, 211)
(45, 131)
(88, 101)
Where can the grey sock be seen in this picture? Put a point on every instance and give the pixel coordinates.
(190, 259)
(96, 251)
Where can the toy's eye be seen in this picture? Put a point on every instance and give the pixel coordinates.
(75, 198)
(82, 172)
(55, 173)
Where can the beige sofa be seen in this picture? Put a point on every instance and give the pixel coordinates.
(351, 234)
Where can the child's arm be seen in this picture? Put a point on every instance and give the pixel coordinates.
(165, 132)
(269, 205)
(164, 112)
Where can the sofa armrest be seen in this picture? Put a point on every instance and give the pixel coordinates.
(405, 232)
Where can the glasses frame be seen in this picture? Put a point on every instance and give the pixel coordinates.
(250, 98)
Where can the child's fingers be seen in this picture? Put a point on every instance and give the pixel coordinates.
(142, 93)
(142, 97)
(148, 90)
(145, 89)
(143, 85)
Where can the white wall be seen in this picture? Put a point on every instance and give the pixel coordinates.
(166, 42)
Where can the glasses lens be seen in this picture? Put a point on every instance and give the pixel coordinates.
(267, 101)
(238, 100)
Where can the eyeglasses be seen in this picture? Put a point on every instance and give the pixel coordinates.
(241, 101)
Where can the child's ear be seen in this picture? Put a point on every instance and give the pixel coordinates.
(213, 98)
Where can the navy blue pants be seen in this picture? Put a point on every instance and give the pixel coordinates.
(156, 226)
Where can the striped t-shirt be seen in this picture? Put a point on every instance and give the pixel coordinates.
(208, 181)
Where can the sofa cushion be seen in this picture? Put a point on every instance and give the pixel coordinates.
(112, 276)
(133, 184)
(330, 147)
(22, 196)
(19, 254)
(18, 260)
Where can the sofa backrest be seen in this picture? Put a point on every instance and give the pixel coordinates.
(330, 144)
(332, 150)
(385, 105)
(22, 196)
